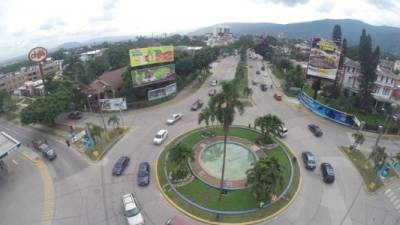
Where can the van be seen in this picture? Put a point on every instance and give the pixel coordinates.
(176, 221)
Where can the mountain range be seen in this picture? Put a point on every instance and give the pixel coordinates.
(386, 37)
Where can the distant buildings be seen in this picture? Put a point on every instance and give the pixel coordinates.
(106, 85)
(221, 36)
(30, 88)
(86, 56)
(396, 66)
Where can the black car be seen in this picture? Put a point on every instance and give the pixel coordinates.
(263, 87)
(328, 174)
(315, 130)
(143, 178)
(309, 160)
(120, 165)
(76, 115)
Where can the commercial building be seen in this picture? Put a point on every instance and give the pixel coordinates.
(221, 36)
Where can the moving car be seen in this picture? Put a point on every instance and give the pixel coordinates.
(283, 132)
(212, 92)
(309, 160)
(328, 174)
(278, 97)
(263, 87)
(132, 210)
(214, 83)
(175, 117)
(143, 178)
(197, 105)
(120, 165)
(258, 72)
(160, 137)
(176, 221)
(42, 146)
(76, 115)
(315, 130)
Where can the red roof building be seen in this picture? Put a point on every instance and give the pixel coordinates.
(106, 85)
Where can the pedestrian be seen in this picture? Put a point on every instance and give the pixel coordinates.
(294, 159)
(67, 142)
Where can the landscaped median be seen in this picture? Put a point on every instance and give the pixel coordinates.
(197, 196)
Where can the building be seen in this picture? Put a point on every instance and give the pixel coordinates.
(387, 64)
(396, 66)
(386, 84)
(30, 88)
(221, 36)
(86, 56)
(106, 85)
(12, 81)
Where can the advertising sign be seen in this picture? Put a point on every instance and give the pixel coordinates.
(153, 74)
(324, 59)
(112, 104)
(162, 92)
(37, 54)
(151, 55)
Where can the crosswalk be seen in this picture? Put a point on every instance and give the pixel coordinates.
(393, 195)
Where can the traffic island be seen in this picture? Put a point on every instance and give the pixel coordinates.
(198, 194)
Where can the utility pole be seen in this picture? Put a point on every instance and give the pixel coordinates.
(102, 116)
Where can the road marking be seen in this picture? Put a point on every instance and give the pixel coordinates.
(15, 162)
(48, 197)
(390, 194)
(388, 190)
(398, 207)
(395, 202)
(393, 198)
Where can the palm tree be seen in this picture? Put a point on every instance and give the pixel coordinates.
(358, 139)
(94, 131)
(180, 154)
(265, 178)
(225, 105)
(269, 125)
(378, 155)
(247, 91)
(113, 120)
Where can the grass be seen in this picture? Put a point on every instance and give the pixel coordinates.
(368, 174)
(106, 142)
(234, 200)
(282, 158)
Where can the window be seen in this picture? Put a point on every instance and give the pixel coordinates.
(381, 78)
(387, 79)
(386, 91)
(377, 89)
(391, 80)
(354, 69)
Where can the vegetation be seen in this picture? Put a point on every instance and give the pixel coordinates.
(358, 139)
(7, 103)
(264, 49)
(241, 75)
(270, 125)
(284, 69)
(179, 155)
(114, 120)
(378, 155)
(316, 86)
(95, 131)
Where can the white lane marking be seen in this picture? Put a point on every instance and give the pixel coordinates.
(387, 191)
(393, 198)
(398, 206)
(390, 194)
(395, 202)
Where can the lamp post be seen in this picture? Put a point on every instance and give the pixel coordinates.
(382, 129)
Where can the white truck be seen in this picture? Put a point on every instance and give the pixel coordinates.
(132, 210)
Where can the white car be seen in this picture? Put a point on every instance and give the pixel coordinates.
(175, 117)
(132, 210)
(214, 83)
(160, 137)
(283, 132)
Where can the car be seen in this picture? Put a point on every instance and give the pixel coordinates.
(212, 92)
(315, 130)
(283, 132)
(143, 177)
(251, 66)
(278, 97)
(309, 160)
(176, 221)
(120, 165)
(254, 82)
(42, 146)
(328, 174)
(132, 210)
(263, 87)
(175, 117)
(197, 105)
(75, 115)
(160, 137)
(258, 72)
(214, 83)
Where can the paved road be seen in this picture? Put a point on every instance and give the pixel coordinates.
(87, 193)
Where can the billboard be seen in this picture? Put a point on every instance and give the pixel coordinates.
(162, 92)
(324, 59)
(112, 104)
(151, 55)
(151, 75)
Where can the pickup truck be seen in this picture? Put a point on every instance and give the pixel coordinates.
(42, 146)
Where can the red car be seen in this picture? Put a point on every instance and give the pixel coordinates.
(278, 96)
(197, 105)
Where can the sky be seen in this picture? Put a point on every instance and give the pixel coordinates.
(25, 24)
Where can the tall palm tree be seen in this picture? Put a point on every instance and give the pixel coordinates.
(94, 131)
(180, 154)
(265, 178)
(378, 155)
(207, 115)
(113, 120)
(269, 124)
(247, 91)
(225, 105)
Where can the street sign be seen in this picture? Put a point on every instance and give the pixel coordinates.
(37, 54)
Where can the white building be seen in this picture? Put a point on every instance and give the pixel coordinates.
(86, 56)
(221, 36)
(396, 65)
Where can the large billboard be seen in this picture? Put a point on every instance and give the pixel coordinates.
(151, 55)
(324, 59)
(162, 92)
(112, 104)
(154, 74)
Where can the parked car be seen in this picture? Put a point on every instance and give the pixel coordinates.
(42, 146)
(258, 72)
(132, 210)
(176, 221)
(278, 97)
(160, 137)
(283, 132)
(175, 117)
(315, 130)
(214, 83)
(143, 177)
(197, 105)
(328, 174)
(120, 165)
(263, 87)
(75, 115)
(212, 92)
(309, 160)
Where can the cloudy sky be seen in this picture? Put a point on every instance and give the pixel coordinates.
(28, 23)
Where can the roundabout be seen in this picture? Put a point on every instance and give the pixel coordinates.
(197, 195)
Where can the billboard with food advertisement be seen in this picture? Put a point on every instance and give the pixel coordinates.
(151, 55)
(154, 74)
(324, 59)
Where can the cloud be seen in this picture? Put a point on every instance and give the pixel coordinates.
(384, 4)
(50, 24)
(325, 7)
(284, 2)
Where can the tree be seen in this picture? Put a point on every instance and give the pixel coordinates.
(337, 35)
(270, 125)
(378, 155)
(295, 77)
(265, 178)
(316, 86)
(74, 68)
(95, 131)
(207, 115)
(114, 120)
(358, 138)
(264, 49)
(180, 154)
(226, 103)
(247, 91)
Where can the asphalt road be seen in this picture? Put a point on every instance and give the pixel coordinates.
(86, 193)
